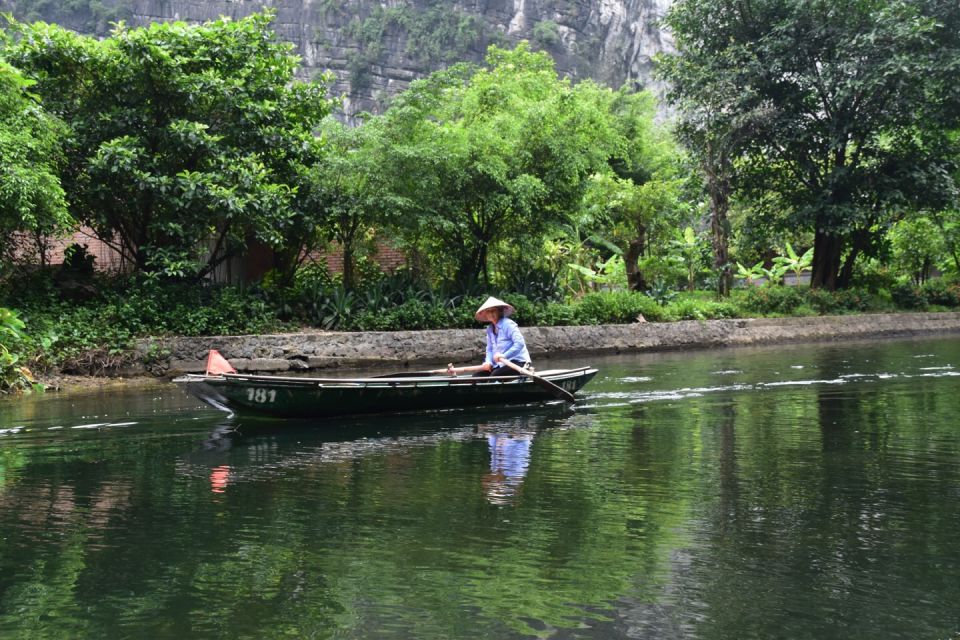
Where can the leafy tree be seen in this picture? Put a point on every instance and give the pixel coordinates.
(31, 198)
(948, 222)
(639, 195)
(917, 245)
(838, 108)
(493, 155)
(348, 190)
(186, 143)
(635, 215)
(711, 133)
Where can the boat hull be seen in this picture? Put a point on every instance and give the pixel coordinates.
(290, 397)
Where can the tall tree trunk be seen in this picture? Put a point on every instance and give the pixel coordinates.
(473, 264)
(348, 270)
(635, 279)
(860, 243)
(827, 249)
(719, 189)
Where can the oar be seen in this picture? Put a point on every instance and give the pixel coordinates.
(562, 394)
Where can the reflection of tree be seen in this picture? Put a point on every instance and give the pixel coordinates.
(726, 515)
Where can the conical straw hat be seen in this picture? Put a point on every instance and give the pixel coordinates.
(493, 303)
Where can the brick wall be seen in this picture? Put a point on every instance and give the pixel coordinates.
(109, 261)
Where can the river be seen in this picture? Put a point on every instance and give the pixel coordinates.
(808, 491)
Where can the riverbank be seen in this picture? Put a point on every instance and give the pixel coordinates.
(327, 349)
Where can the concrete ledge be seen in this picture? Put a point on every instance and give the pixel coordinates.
(323, 350)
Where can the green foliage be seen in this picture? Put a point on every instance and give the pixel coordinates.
(349, 193)
(750, 275)
(13, 375)
(852, 300)
(487, 156)
(917, 245)
(693, 309)
(546, 34)
(937, 292)
(795, 263)
(617, 307)
(637, 199)
(535, 282)
(785, 301)
(689, 247)
(184, 138)
(609, 273)
(773, 300)
(874, 276)
(97, 336)
(437, 33)
(769, 89)
(662, 292)
(31, 198)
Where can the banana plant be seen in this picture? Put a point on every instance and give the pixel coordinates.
(609, 273)
(750, 274)
(795, 263)
(688, 245)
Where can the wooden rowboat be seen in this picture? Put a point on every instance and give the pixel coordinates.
(304, 397)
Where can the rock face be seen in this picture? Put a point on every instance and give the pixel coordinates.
(375, 48)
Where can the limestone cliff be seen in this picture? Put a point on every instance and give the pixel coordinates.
(375, 48)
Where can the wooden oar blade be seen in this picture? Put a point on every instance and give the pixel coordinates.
(558, 392)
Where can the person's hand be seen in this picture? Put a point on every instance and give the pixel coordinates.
(497, 357)
(451, 370)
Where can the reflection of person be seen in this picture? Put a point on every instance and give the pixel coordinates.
(504, 342)
(509, 460)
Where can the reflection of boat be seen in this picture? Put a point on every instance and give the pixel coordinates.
(234, 454)
(321, 397)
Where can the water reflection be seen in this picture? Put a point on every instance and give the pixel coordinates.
(804, 492)
(237, 451)
(509, 459)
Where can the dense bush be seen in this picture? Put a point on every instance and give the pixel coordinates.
(782, 301)
(772, 300)
(907, 295)
(691, 309)
(941, 292)
(13, 375)
(96, 334)
(938, 292)
(841, 301)
(616, 307)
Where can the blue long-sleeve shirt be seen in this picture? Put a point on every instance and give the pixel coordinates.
(508, 341)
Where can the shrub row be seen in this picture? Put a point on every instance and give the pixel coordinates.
(96, 334)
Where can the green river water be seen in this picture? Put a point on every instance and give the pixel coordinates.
(799, 492)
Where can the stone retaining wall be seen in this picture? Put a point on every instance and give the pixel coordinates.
(320, 350)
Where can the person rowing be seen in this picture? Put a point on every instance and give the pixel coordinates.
(505, 343)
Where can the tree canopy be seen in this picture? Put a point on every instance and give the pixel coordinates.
(31, 199)
(494, 155)
(837, 109)
(185, 141)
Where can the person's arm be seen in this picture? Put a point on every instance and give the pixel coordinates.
(453, 371)
(487, 363)
(517, 343)
(491, 355)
